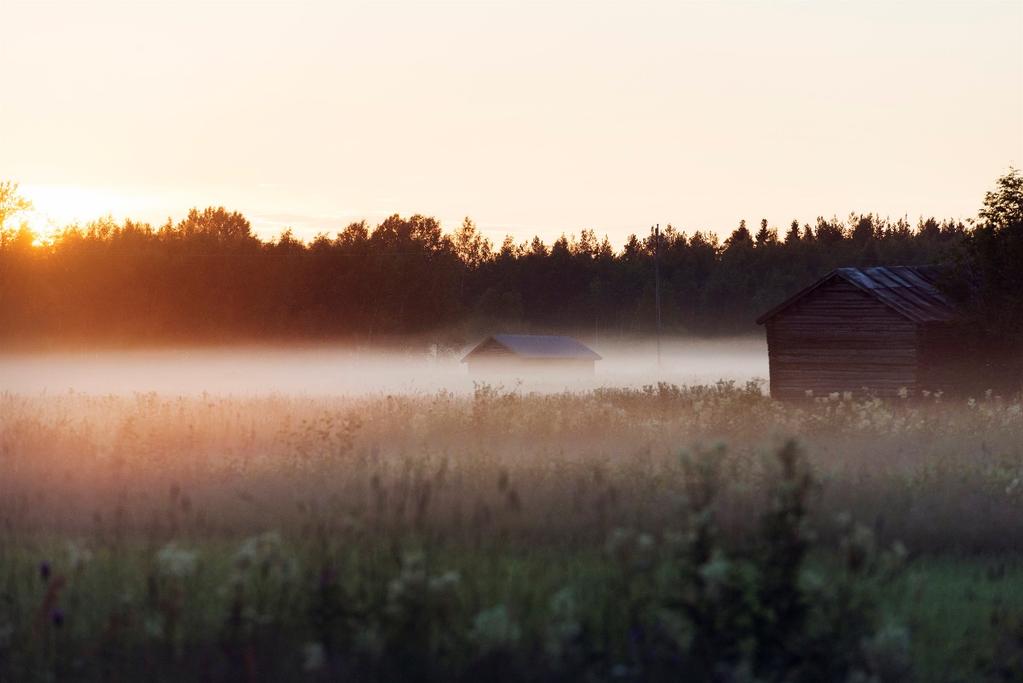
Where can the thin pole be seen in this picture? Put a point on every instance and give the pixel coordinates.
(657, 288)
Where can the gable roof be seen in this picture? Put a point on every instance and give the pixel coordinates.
(538, 346)
(911, 291)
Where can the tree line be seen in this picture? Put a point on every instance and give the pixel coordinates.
(209, 279)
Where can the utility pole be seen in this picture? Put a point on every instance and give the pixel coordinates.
(657, 288)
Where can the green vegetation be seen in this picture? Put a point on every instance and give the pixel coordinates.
(651, 534)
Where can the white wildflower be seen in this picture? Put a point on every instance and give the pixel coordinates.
(176, 562)
(153, 626)
(79, 555)
(888, 653)
(445, 584)
(256, 549)
(493, 629)
(715, 572)
(564, 628)
(315, 656)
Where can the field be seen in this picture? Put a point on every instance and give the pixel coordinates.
(703, 533)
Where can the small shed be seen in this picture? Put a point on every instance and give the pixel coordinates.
(529, 353)
(882, 331)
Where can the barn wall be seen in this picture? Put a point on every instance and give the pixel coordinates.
(838, 338)
(954, 361)
(509, 364)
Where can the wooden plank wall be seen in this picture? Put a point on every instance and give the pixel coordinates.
(493, 364)
(838, 338)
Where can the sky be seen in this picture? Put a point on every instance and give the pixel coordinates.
(530, 117)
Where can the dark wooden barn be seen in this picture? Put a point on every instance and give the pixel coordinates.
(886, 331)
(526, 353)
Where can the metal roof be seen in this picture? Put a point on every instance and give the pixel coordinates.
(539, 346)
(911, 291)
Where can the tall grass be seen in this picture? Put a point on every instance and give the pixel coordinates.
(535, 468)
(607, 535)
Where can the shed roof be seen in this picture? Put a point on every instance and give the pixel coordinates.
(539, 346)
(911, 291)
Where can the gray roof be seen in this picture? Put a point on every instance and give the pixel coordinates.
(909, 290)
(539, 346)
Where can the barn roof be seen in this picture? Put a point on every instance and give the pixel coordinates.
(539, 346)
(909, 290)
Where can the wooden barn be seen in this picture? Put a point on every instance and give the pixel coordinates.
(883, 331)
(527, 353)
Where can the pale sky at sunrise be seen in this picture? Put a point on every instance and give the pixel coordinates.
(530, 117)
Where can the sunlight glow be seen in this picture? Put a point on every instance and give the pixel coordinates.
(55, 207)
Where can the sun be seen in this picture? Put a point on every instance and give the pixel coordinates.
(55, 207)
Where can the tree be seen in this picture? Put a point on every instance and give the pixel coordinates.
(1003, 206)
(215, 225)
(11, 203)
(792, 236)
(470, 246)
(765, 235)
(739, 236)
(995, 266)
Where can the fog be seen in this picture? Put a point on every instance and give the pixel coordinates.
(328, 370)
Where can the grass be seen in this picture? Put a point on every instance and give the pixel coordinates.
(604, 535)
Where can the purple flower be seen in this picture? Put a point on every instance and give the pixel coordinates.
(327, 577)
(44, 571)
(57, 617)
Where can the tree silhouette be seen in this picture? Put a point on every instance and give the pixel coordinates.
(208, 278)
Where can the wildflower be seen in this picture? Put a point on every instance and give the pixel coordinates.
(315, 656)
(45, 571)
(833, 396)
(888, 653)
(445, 584)
(265, 552)
(618, 540)
(153, 626)
(903, 392)
(176, 562)
(564, 628)
(57, 617)
(78, 555)
(493, 629)
(811, 582)
(368, 641)
(328, 576)
(899, 553)
(715, 572)
(859, 547)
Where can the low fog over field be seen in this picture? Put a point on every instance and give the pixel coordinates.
(351, 371)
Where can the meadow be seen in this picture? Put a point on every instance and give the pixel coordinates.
(654, 533)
